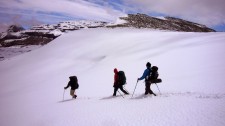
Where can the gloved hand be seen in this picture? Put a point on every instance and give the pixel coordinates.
(65, 88)
(137, 79)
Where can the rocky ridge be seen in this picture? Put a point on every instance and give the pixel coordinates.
(161, 23)
(42, 34)
(17, 37)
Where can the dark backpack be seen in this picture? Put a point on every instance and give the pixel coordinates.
(121, 78)
(77, 85)
(73, 79)
(154, 74)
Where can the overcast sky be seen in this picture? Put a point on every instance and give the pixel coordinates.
(30, 12)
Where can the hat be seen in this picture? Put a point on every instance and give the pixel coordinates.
(115, 70)
(148, 64)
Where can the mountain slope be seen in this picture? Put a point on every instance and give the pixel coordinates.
(191, 66)
(162, 23)
(27, 40)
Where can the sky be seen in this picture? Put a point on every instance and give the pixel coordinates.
(28, 13)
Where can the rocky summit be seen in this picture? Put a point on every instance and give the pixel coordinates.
(161, 23)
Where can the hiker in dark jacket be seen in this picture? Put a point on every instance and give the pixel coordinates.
(117, 84)
(146, 76)
(73, 83)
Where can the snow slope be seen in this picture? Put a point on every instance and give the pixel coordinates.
(9, 52)
(191, 65)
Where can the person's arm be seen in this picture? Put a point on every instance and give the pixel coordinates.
(67, 85)
(145, 74)
(115, 79)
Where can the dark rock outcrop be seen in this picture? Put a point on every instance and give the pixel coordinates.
(43, 34)
(166, 23)
(15, 28)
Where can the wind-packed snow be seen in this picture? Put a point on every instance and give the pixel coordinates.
(9, 52)
(12, 40)
(70, 25)
(56, 32)
(120, 21)
(191, 65)
(3, 34)
(161, 17)
(81, 23)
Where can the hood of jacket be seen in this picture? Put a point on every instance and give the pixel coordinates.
(115, 71)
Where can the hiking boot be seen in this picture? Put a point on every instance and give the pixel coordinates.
(146, 93)
(75, 96)
(114, 94)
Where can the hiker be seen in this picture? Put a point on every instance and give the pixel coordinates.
(73, 83)
(118, 83)
(146, 76)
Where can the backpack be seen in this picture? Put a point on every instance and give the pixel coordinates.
(74, 80)
(121, 78)
(77, 86)
(154, 74)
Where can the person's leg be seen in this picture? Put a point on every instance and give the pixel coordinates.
(150, 91)
(75, 96)
(115, 90)
(121, 88)
(72, 92)
(147, 88)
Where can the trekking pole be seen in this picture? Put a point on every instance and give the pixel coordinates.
(158, 88)
(120, 94)
(134, 89)
(64, 93)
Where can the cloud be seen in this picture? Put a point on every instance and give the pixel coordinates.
(29, 12)
(208, 12)
(8, 19)
(72, 8)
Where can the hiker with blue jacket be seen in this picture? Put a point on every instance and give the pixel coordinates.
(146, 76)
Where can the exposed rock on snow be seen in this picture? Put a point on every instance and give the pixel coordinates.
(43, 34)
(15, 28)
(162, 23)
(15, 50)
(71, 25)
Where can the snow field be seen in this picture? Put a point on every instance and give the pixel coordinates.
(191, 66)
